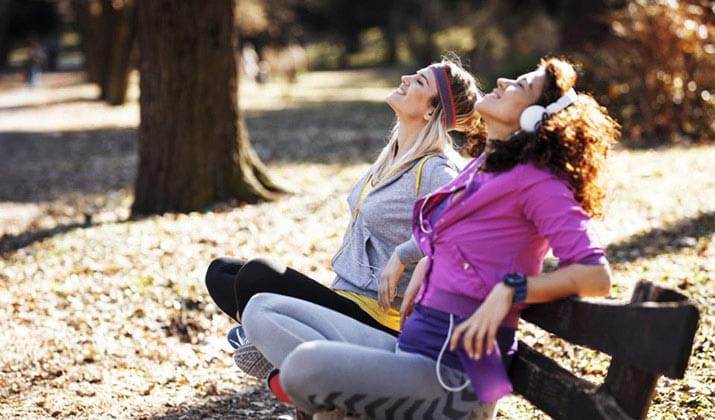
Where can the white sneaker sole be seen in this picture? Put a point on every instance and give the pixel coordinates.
(251, 362)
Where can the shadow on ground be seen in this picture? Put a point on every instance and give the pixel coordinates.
(256, 404)
(327, 132)
(10, 243)
(41, 166)
(44, 166)
(672, 238)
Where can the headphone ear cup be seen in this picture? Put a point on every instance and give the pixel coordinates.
(531, 117)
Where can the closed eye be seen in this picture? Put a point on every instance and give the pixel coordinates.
(423, 78)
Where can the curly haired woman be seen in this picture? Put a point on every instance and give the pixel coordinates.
(484, 236)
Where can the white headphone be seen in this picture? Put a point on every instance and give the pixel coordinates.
(532, 116)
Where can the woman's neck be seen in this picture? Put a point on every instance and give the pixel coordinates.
(406, 138)
(499, 131)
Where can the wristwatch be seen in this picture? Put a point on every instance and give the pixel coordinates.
(516, 281)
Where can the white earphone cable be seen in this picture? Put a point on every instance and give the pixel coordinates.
(439, 361)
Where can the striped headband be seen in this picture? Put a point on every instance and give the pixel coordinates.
(449, 114)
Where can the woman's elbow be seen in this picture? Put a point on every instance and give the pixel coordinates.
(599, 281)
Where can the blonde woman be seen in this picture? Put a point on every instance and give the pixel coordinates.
(418, 158)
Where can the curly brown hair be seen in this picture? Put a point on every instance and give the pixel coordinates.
(573, 143)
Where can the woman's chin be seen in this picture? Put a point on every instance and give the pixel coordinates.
(392, 99)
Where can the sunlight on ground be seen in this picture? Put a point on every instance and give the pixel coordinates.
(321, 86)
(68, 103)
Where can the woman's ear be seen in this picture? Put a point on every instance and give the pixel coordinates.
(428, 115)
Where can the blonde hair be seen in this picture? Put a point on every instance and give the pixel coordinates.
(434, 136)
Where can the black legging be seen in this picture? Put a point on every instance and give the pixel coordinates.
(232, 282)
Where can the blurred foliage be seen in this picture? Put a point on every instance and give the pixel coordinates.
(22, 20)
(657, 73)
(654, 69)
(28, 18)
(325, 55)
(456, 38)
(369, 32)
(372, 49)
(651, 62)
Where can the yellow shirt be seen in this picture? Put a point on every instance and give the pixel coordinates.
(390, 319)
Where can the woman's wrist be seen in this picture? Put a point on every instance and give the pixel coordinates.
(505, 292)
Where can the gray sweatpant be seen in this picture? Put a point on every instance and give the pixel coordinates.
(328, 360)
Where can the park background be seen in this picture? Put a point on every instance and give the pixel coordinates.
(103, 308)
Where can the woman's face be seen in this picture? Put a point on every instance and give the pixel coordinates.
(504, 104)
(412, 100)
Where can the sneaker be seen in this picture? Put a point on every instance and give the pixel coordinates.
(247, 357)
(273, 383)
(236, 336)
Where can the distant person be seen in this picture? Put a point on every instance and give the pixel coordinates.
(485, 236)
(35, 61)
(264, 72)
(249, 62)
(418, 158)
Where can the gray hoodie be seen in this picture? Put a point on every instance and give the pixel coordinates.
(383, 223)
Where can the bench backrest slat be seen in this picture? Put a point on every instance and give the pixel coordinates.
(635, 333)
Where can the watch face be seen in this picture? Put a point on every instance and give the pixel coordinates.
(513, 279)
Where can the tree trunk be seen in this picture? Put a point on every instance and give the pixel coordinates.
(193, 146)
(107, 28)
(89, 20)
(4, 41)
(121, 27)
(392, 29)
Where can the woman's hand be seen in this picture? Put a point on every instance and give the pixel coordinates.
(388, 281)
(482, 326)
(408, 300)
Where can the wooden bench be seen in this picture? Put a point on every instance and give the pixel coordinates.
(648, 337)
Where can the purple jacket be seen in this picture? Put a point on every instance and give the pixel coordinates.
(507, 225)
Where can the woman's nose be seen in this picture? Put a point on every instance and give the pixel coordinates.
(502, 82)
(405, 79)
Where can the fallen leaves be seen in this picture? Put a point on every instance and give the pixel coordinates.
(109, 318)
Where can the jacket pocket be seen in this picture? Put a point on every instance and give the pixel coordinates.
(352, 261)
(466, 270)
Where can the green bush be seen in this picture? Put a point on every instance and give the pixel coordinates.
(324, 55)
(656, 74)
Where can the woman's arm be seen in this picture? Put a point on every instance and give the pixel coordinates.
(405, 253)
(388, 281)
(408, 301)
(575, 279)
